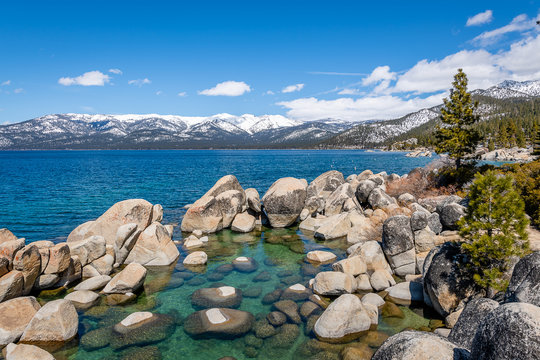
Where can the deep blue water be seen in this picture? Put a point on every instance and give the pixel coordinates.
(45, 194)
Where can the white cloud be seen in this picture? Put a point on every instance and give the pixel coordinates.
(367, 108)
(18, 91)
(334, 73)
(159, 92)
(378, 74)
(269, 92)
(182, 94)
(5, 83)
(351, 92)
(481, 18)
(139, 82)
(227, 88)
(520, 23)
(90, 78)
(292, 88)
(116, 71)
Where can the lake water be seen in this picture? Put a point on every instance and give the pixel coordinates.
(44, 195)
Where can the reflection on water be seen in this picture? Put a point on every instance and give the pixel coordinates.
(280, 255)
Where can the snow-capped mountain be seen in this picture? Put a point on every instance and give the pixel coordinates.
(77, 131)
(372, 134)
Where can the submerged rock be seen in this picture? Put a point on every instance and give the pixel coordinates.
(141, 330)
(223, 297)
(219, 322)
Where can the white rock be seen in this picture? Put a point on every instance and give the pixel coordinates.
(196, 258)
(215, 316)
(136, 318)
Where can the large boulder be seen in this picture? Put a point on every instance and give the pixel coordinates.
(28, 261)
(55, 323)
(9, 248)
(334, 283)
(414, 345)
(139, 329)
(334, 227)
(11, 285)
(447, 281)
(378, 199)
(372, 254)
(345, 319)
(219, 322)
(26, 352)
(136, 211)
(398, 244)
(126, 236)
(511, 331)
(336, 200)
(129, 280)
(325, 184)
(284, 201)
(243, 222)
(450, 214)
(88, 249)
(474, 312)
(354, 265)
(364, 188)
(216, 209)
(524, 285)
(6, 235)
(154, 247)
(59, 256)
(15, 315)
(253, 199)
(406, 293)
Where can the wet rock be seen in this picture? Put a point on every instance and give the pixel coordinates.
(284, 201)
(263, 329)
(290, 309)
(154, 247)
(220, 322)
(263, 276)
(321, 256)
(296, 292)
(390, 309)
(308, 309)
(510, 331)
(276, 318)
(353, 265)
(55, 323)
(411, 345)
(129, 280)
(285, 337)
(524, 285)
(472, 315)
(245, 264)
(96, 339)
(243, 222)
(15, 315)
(94, 283)
(225, 268)
(223, 297)
(26, 352)
(345, 319)
(333, 283)
(196, 258)
(151, 330)
(271, 297)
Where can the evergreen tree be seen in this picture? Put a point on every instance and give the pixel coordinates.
(503, 136)
(536, 150)
(520, 138)
(491, 144)
(494, 229)
(456, 136)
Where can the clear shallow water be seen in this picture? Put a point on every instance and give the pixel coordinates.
(45, 195)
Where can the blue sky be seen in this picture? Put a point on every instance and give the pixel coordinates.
(352, 60)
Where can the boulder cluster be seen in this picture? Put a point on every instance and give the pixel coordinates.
(122, 240)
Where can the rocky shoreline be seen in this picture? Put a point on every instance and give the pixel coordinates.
(402, 251)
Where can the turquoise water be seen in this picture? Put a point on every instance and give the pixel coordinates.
(44, 195)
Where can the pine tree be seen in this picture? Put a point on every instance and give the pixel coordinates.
(536, 150)
(491, 144)
(503, 136)
(456, 136)
(494, 229)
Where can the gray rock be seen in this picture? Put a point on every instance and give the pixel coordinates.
(424, 240)
(219, 322)
(325, 183)
(447, 281)
(525, 282)
(450, 214)
(88, 249)
(406, 293)
(434, 223)
(284, 201)
(414, 345)
(511, 331)
(336, 200)
(472, 315)
(222, 297)
(378, 199)
(406, 199)
(419, 220)
(364, 188)
(397, 235)
(253, 199)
